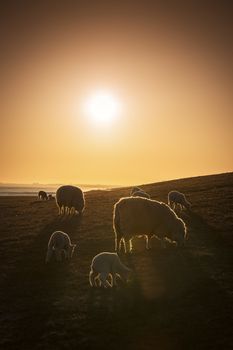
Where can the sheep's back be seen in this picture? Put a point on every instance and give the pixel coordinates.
(69, 196)
(138, 215)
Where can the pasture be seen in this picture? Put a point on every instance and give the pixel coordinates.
(178, 298)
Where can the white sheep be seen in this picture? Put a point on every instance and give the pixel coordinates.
(141, 193)
(59, 243)
(177, 198)
(136, 216)
(42, 195)
(106, 265)
(70, 199)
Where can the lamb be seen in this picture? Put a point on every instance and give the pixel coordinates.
(42, 195)
(104, 265)
(141, 193)
(177, 198)
(136, 216)
(70, 199)
(50, 197)
(59, 243)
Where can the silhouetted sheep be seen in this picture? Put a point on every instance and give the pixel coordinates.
(135, 189)
(42, 195)
(141, 194)
(70, 199)
(177, 198)
(59, 243)
(50, 197)
(135, 216)
(104, 265)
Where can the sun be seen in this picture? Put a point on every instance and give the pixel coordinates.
(102, 108)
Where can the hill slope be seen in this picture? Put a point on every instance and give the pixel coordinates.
(179, 299)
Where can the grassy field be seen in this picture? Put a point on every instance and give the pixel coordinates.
(178, 299)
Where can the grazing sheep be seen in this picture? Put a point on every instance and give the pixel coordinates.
(135, 189)
(177, 198)
(70, 199)
(135, 216)
(42, 195)
(104, 265)
(50, 197)
(141, 194)
(59, 243)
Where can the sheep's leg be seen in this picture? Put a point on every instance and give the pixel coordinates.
(66, 254)
(130, 246)
(120, 244)
(114, 277)
(48, 255)
(125, 248)
(92, 278)
(97, 281)
(58, 254)
(103, 278)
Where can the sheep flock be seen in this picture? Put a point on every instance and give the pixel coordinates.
(134, 216)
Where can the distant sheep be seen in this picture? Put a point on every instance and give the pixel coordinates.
(50, 197)
(42, 195)
(70, 199)
(135, 216)
(141, 194)
(177, 198)
(135, 189)
(59, 243)
(106, 265)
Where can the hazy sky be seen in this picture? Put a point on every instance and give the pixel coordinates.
(168, 65)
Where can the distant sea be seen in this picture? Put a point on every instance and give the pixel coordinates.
(28, 190)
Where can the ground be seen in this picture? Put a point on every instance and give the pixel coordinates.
(177, 299)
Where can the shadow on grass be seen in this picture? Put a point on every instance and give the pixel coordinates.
(32, 288)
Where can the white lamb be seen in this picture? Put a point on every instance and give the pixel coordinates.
(60, 243)
(136, 216)
(106, 265)
(177, 198)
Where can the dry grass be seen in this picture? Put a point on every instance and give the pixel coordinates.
(178, 299)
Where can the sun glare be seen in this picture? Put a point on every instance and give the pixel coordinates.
(102, 108)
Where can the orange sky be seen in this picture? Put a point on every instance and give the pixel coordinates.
(169, 67)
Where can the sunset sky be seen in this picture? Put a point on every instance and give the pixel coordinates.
(168, 68)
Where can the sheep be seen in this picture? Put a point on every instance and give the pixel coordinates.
(70, 199)
(177, 198)
(59, 242)
(135, 189)
(42, 195)
(136, 216)
(50, 197)
(141, 194)
(107, 264)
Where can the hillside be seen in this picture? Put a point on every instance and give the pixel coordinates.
(178, 299)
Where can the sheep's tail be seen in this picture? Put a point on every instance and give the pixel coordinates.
(117, 227)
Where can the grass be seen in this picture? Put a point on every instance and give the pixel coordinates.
(178, 299)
